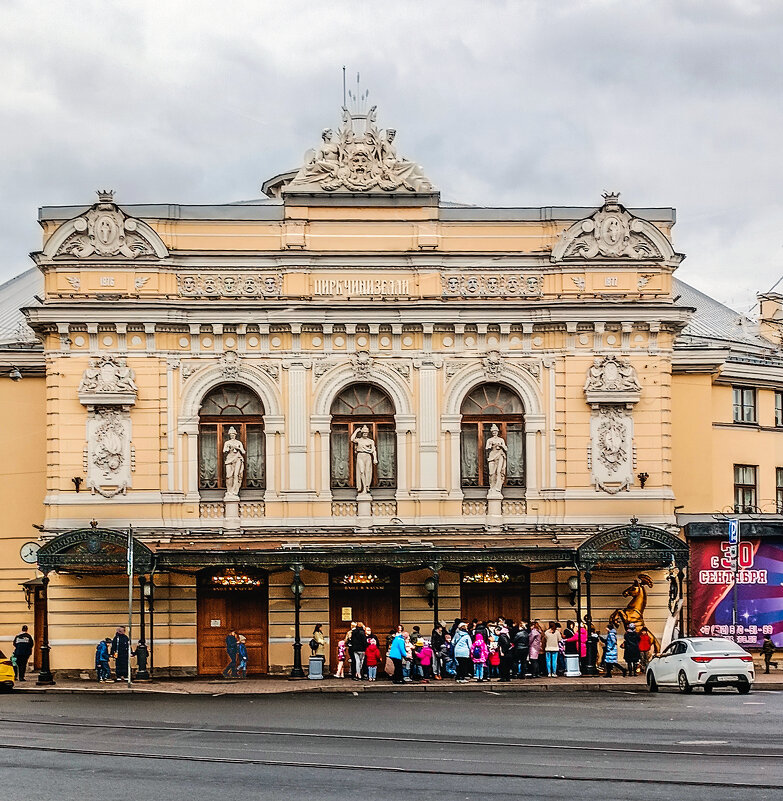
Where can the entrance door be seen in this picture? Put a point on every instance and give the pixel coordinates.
(369, 598)
(220, 609)
(492, 599)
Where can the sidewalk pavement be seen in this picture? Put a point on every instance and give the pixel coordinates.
(273, 685)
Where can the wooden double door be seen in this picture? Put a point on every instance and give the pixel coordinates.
(376, 607)
(220, 611)
(491, 601)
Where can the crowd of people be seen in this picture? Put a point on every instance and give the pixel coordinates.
(481, 650)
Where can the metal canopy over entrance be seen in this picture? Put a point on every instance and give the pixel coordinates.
(632, 546)
(93, 550)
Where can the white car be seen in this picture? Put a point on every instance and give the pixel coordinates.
(706, 662)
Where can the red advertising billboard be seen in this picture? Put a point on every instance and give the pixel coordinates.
(759, 590)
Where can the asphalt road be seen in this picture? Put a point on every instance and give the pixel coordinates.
(614, 745)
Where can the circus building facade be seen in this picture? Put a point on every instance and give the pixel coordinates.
(348, 400)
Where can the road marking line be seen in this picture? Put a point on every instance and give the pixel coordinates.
(702, 742)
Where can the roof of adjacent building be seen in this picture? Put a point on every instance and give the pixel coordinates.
(14, 296)
(713, 322)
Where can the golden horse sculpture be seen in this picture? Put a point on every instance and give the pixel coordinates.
(634, 611)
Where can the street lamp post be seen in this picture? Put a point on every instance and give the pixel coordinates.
(142, 652)
(45, 676)
(297, 587)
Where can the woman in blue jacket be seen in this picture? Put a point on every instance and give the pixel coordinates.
(398, 653)
(462, 648)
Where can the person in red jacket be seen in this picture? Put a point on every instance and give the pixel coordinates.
(372, 658)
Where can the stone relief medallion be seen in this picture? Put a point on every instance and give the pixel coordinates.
(611, 233)
(612, 374)
(106, 231)
(108, 374)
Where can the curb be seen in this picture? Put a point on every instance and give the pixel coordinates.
(356, 689)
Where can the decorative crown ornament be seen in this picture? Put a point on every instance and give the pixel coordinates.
(105, 195)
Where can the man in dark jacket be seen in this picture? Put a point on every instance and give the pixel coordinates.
(631, 649)
(359, 646)
(522, 648)
(232, 647)
(23, 648)
(120, 650)
(437, 639)
(505, 648)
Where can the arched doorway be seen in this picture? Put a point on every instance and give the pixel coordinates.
(231, 598)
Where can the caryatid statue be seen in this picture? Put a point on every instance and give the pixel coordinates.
(234, 452)
(366, 457)
(497, 459)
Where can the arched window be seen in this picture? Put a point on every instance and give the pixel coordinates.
(486, 405)
(226, 406)
(356, 406)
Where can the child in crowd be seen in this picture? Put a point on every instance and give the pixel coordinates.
(341, 652)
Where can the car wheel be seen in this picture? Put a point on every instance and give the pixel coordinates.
(743, 689)
(707, 689)
(652, 684)
(683, 683)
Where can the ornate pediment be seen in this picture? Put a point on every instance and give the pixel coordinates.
(105, 231)
(358, 158)
(612, 233)
(612, 380)
(108, 381)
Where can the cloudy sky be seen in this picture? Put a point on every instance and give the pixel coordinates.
(526, 102)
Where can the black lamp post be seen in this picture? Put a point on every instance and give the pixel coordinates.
(142, 652)
(431, 586)
(297, 588)
(149, 591)
(45, 676)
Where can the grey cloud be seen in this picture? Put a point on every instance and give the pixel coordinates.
(672, 102)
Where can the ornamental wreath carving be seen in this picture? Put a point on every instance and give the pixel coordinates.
(358, 159)
(106, 231)
(109, 451)
(229, 285)
(480, 285)
(610, 457)
(612, 430)
(611, 233)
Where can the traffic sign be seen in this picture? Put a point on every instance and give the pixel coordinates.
(733, 532)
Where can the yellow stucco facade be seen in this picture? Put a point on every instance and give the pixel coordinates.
(569, 313)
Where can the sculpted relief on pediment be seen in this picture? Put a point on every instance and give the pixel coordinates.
(105, 231)
(612, 232)
(358, 158)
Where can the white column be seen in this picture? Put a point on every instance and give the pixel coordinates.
(297, 428)
(428, 426)
(404, 424)
(273, 426)
(190, 429)
(451, 425)
(533, 424)
(322, 423)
